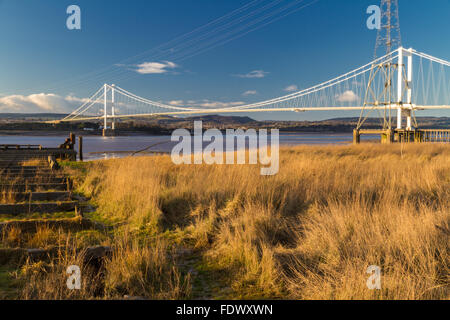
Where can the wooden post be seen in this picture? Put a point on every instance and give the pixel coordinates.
(356, 136)
(52, 162)
(387, 137)
(80, 147)
(391, 135)
(72, 140)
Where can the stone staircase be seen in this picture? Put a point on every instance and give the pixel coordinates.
(28, 185)
(36, 195)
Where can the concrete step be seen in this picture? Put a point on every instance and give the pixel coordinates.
(23, 167)
(33, 187)
(91, 255)
(36, 196)
(32, 179)
(17, 167)
(31, 175)
(32, 207)
(37, 154)
(68, 224)
(23, 164)
(20, 255)
(24, 153)
(19, 161)
(34, 172)
(4, 157)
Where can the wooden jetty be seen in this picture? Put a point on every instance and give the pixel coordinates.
(17, 152)
(405, 136)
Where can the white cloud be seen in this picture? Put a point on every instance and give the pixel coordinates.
(207, 104)
(155, 67)
(347, 96)
(250, 93)
(291, 88)
(253, 74)
(220, 104)
(39, 103)
(176, 102)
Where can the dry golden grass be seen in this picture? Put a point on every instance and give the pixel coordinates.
(144, 270)
(34, 162)
(47, 280)
(136, 270)
(310, 232)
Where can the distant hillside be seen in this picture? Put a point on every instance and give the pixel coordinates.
(31, 116)
(223, 119)
(166, 124)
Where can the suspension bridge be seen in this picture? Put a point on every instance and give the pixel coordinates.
(394, 86)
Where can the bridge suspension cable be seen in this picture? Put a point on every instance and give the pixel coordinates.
(429, 86)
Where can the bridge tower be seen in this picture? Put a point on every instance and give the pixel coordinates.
(106, 131)
(105, 108)
(113, 111)
(390, 81)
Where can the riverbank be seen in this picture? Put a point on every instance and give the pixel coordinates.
(310, 232)
(58, 133)
(97, 147)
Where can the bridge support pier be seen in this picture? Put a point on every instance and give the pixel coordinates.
(387, 137)
(108, 133)
(408, 120)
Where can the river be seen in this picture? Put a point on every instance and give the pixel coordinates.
(97, 147)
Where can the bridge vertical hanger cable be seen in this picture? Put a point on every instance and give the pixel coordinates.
(323, 96)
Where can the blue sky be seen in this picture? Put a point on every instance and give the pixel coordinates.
(42, 62)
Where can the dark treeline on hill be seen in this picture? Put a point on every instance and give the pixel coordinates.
(32, 116)
(17, 123)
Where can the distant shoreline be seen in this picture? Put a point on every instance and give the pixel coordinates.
(28, 125)
(43, 133)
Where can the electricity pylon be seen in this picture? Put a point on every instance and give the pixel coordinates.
(387, 75)
(388, 37)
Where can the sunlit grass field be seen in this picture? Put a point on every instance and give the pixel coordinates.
(225, 231)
